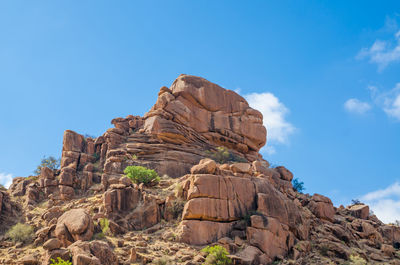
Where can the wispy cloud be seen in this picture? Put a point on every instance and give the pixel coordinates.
(388, 101)
(274, 114)
(354, 105)
(6, 179)
(385, 202)
(382, 52)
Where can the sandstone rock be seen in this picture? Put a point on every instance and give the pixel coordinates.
(74, 225)
(54, 254)
(269, 235)
(46, 173)
(219, 198)
(124, 199)
(206, 166)
(29, 260)
(198, 110)
(322, 207)
(285, 173)
(241, 168)
(197, 232)
(66, 192)
(52, 244)
(359, 211)
(81, 254)
(103, 252)
(72, 141)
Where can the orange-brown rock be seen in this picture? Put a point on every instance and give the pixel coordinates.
(197, 232)
(270, 235)
(359, 211)
(74, 225)
(322, 207)
(194, 109)
(218, 198)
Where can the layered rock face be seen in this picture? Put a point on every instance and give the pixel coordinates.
(234, 199)
(196, 110)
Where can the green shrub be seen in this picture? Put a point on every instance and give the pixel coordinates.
(50, 162)
(21, 233)
(217, 255)
(357, 260)
(60, 261)
(139, 174)
(222, 155)
(298, 185)
(105, 225)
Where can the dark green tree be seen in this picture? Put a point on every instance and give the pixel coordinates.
(298, 185)
(50, 162)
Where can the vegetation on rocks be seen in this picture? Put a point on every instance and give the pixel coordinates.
(298, 185)
(139, 174)
(222, 155)
(50, 162)
(217, 255)
(21, 233)
(60, 261)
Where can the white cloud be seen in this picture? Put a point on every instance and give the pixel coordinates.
(385, 203)
(389, 101)
(356, 106)
(382, 53)
(274, 113)
(6, 179)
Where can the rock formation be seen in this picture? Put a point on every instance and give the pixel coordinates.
(215, 188)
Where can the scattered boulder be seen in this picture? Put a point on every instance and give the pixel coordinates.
(74, 225)
(322, 207)
(359, 211)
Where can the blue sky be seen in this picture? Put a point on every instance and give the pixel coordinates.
(324, 73)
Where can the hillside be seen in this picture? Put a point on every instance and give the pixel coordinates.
(214, 188)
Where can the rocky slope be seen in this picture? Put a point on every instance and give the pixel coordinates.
(242, 204)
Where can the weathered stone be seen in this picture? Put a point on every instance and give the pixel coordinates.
(74, 225)
(197, 232)
(322, 207)
(359, 211)
(198, 109)
(206, 166)
(51, 244)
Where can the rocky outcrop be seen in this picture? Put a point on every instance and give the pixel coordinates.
(196, 110)
(215, 188)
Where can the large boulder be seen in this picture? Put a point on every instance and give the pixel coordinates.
(219, 198)
(74, 225)
(322, 207)
(359, 211)
(195, 232)
(194, 109)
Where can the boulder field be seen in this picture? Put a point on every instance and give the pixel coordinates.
(215, 188)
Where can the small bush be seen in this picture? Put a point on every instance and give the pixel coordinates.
(99, 236)
(217, 255)
(105, 225)
(357, 260)
(162, 261)
(222, 155)
(60, 261)
(50, 162)
(96, 157)
(298, 185)
(355, 202)
(21, 233)
(139, 174)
